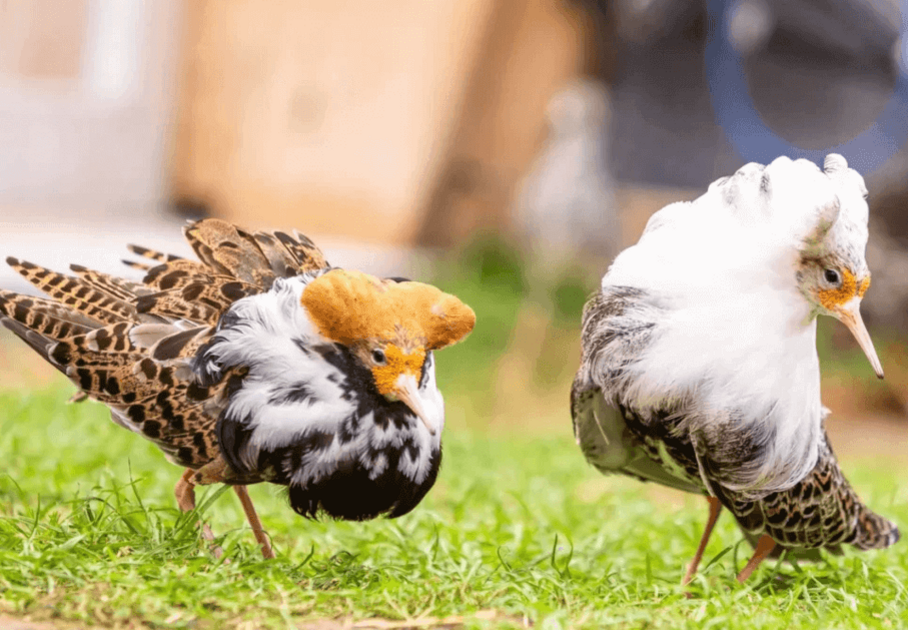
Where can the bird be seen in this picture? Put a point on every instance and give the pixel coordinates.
(259, 362)
(699, 368)
(566, 201)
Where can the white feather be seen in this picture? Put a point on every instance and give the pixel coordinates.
(734, 332)
(263, 340)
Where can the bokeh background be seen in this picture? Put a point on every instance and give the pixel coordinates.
(504, 149)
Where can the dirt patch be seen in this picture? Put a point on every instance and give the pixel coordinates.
(12, 623)
(8, 623)
(423, 623)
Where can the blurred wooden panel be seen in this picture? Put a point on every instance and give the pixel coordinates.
(42, 38)
(533, 48)
(328, 115)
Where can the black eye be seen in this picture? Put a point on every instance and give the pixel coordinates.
(832, 276)
(378, 356)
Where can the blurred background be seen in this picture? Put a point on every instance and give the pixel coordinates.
(504, 149)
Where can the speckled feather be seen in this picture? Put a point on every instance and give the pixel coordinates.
(819, 511)
(90, 328)
(714, 420)
(314, 410)
(258, 363)
(79, 293)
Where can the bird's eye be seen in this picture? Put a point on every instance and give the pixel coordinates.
(832, 276)
(379, 357)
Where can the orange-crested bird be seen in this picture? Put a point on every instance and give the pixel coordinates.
(260, 363)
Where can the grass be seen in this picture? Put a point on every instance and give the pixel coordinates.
(517, 530)
(519, 525)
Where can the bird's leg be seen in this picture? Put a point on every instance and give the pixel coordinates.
(185, 493)
(715, 507)
(260, 536)
(217, 471)
(764, 546)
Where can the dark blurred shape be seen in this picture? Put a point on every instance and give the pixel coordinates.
(862, 30)
(887, 300)
(645, 21)
(819, 72)
(191, 208)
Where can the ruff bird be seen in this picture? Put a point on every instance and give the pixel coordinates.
(260, 363)
(699, 368)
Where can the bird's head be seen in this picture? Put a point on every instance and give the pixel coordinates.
(832, 270)
(389, 327)
(835, 287)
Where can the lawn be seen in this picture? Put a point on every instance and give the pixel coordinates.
(517, 531)
(517, 527)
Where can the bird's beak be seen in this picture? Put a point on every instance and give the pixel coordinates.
(407, 391)
(850, 315)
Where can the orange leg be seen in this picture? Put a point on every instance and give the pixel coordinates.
(185, 493)
(217, 471)
(764, 546)
(260, 536)
(715, 507)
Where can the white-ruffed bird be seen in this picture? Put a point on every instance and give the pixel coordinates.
(260, 363)
(699, 367)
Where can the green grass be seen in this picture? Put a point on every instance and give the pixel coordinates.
(520, 525)
(517, 524)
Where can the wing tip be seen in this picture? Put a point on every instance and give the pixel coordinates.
(135, 265)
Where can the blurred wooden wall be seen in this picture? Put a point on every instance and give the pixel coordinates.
(532, 49)
(42, 38)
(394, 122)
(86, 105)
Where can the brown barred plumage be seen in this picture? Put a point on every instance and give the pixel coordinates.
(76, 293)
(121, 288)
(820, 511)
(127, 344)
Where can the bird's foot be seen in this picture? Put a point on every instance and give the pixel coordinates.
(764, 546)
(185, 494)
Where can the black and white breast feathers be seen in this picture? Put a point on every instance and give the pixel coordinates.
(304, 413)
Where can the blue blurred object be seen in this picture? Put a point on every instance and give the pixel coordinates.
(737, 114)
(699, 87)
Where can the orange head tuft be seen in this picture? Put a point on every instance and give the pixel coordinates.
(350, 307)
(389, 326)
